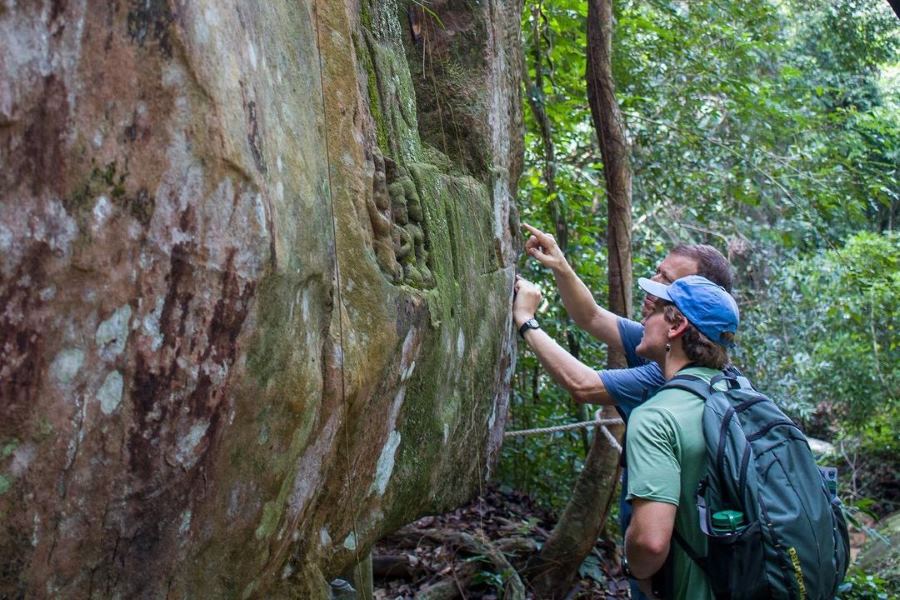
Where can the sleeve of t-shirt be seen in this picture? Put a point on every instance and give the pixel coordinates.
(630, 387)
(630, 333)
(653, 469)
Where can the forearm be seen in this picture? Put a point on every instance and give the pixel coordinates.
(584, 311)
(580, 380)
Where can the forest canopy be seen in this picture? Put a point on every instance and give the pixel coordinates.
(771, 130)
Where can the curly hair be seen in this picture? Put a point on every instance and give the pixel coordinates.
(697, 347)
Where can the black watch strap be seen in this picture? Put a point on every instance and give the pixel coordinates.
(626, 571)
(529, 324)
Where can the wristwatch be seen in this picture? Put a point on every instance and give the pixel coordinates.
(625, 570)
(529, 324)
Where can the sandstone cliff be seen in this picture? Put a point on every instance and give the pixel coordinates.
(255, 268)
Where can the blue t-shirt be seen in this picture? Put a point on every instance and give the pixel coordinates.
(630, 387)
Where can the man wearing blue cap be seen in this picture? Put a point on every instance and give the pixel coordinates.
(688, 332)
(624, 388)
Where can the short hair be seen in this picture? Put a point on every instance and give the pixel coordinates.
(710, 263)
(699, 349)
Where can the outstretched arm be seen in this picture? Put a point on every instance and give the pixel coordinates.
(581, 381)
(576, 297)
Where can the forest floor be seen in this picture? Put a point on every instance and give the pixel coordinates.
(460, 554)
(465, 553)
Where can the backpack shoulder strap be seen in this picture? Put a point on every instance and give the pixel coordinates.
(689, 383)
(733, 379)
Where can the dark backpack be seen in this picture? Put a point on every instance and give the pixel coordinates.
(792, 541)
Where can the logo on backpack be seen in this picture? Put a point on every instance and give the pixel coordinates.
(798, 571)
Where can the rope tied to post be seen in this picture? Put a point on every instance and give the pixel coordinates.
(597, 422)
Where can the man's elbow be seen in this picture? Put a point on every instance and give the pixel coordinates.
(646, 554)
(653, 547)
(591, 320)
(589, 389)
(584, 320)
(589, 397)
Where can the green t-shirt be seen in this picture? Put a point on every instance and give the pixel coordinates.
(666, 454)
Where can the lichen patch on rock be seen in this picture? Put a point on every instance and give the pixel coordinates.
(110, 393)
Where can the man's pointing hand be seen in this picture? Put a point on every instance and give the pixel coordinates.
(543, 248)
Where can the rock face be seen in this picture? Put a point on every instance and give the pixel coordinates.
(881, 557)
(255, 269)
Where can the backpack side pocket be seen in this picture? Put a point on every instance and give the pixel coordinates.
(736, 565)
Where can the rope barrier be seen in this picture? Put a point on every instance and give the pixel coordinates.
(611, 439)
(569, 427)
(597, 422)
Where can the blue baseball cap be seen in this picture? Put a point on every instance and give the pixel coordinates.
(707, 306)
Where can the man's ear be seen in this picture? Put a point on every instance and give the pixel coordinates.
(676, 330)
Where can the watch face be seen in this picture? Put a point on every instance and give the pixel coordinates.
(528, 325)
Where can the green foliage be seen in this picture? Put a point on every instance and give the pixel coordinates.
(545, 466)
(824, 334)
(768, 129)
(488, 578)
(862, 586)
(592, 568)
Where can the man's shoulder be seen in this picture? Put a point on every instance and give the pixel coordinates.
(630, 387)
(675, 402)
(651, 414)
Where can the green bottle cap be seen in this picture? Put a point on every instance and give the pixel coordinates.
(727, 520)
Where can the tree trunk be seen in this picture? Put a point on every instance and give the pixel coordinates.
(534, 92)
(585, 515)
(614, 148)
(554, 570)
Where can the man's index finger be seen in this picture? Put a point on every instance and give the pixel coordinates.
(535, 232)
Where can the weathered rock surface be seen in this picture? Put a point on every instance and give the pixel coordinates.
(881, 556)
(255, 268)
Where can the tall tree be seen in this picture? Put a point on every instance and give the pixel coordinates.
(534, 91)
(583, 518)
(610, 128)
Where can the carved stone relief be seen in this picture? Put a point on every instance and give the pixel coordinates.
(398, 225)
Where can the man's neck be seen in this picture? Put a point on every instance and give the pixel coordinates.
(675, 361)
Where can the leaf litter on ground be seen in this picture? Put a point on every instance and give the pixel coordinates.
(460, 554)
